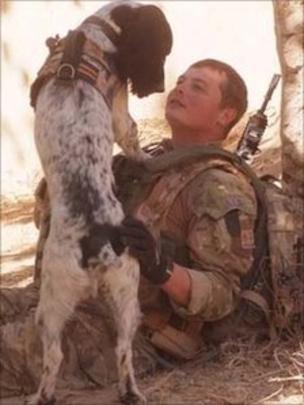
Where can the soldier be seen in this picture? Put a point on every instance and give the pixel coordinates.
(207, 209)
(192, 232)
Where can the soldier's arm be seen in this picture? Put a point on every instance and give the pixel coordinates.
(178, 287)
(220, 241)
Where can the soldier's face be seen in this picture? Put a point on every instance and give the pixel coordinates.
(194, 105)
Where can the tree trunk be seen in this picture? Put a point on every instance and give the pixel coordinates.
(289, 33)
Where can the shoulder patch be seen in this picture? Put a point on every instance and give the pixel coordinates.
(240, 227)
(247, 232)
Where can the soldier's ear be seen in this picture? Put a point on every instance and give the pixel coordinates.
(226, 116)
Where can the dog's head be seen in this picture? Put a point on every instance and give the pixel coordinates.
(144, 42)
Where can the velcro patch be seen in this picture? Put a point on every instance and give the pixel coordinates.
(247, 232)
(241, 229)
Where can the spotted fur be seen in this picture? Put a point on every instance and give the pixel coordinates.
(74, 133)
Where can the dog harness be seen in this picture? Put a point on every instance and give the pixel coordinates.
(76, 57)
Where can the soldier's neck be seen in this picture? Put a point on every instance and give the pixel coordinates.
(181, 140)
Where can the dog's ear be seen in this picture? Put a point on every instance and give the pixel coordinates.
(144, 43)
(135, 22)
(151, 22)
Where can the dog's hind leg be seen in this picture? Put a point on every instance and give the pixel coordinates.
(51, 324)
(128, 391)
(56, 305)
(120, 290)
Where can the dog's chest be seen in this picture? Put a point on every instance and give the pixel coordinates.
(74, 138)
(73, 124)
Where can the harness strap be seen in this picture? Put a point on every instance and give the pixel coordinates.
(76, 57)
(71, 57)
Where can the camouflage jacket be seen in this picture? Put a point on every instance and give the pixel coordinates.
(210, 209)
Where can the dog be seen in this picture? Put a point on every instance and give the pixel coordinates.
(81, 108)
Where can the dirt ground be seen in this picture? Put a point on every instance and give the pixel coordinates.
(234, 373)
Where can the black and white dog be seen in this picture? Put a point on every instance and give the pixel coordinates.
(81, 109)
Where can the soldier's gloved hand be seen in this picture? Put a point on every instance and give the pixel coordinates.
(155, 259)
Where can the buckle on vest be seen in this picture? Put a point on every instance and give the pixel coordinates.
(66, 71)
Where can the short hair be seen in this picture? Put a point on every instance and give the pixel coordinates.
(234, 90)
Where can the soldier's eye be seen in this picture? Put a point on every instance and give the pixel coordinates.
(198, 87)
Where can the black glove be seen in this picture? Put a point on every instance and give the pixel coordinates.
(155, 259)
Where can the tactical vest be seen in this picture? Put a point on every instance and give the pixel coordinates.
(275, 282)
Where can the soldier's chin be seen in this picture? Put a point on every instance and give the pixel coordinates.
(172, 115)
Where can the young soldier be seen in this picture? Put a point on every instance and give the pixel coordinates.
(207, 208)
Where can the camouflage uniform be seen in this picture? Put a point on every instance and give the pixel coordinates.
(209, 210)
(214, 218)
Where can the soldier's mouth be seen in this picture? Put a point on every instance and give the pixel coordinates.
(176, 103)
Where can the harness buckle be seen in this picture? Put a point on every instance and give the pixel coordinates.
(66, 71)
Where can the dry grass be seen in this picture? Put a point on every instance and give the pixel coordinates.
(236, 373)
(17, 210)
(240, 373)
